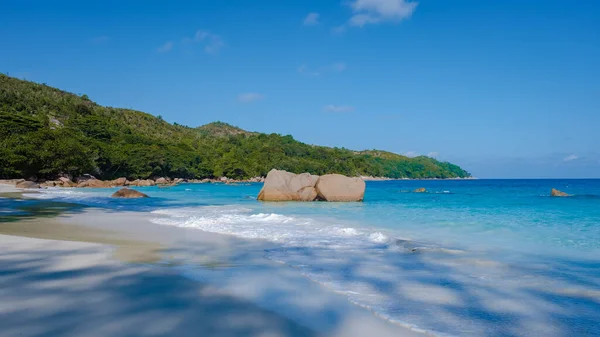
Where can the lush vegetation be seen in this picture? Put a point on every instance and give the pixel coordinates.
(46, 132)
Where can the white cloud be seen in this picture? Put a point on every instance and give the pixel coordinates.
(410, 154)
(433, 154)
(312, 19)
(212, 42)
(376, 11)
(332, 68)
(166, 47)
(338, 108)
(250, 97)
(571, 158)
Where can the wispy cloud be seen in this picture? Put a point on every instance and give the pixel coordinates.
(571, 158)
(211, 43)
(338, 108)
(378, 11)
(332, 68)
(166, 47)
(312, 19)
(410, 154)
(250, 97)
(433, 154)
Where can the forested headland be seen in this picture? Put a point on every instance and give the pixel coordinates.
(46, 132)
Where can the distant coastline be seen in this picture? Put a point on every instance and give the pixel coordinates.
(367, 178)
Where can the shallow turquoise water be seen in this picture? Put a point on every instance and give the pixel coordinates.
(468, 258)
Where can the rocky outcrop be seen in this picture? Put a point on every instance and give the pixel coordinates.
(336, 187)
(286, 186)
(84, 177)
(557, 193)
(27, 184)
(119, 182)
(161, 181)
(95, 183)
(129, 194)
(64, 182)
(146, 182)
(420, 190)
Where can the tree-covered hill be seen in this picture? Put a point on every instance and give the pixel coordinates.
(45, 132)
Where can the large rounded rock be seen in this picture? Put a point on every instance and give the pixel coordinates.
(557, 193)
(27, 184)
(336, 187)
(119, 182)
(286, 186)
(161, 181)
(128, 193)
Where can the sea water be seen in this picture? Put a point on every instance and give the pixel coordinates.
(466, 258)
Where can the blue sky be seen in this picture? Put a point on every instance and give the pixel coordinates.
(503, 88)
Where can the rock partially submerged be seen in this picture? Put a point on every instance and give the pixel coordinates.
(557, 193)
(286, 186)
(420, 190)
(129, 194)
(336, 187)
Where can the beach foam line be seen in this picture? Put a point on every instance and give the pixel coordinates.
(290, 230)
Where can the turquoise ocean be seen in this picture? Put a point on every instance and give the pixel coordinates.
(467, 258)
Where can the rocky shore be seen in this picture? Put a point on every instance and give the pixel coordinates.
(92, 182)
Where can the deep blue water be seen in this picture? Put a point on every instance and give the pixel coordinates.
(468, 258)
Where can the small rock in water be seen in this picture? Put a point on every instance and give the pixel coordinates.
(420, 190)
(128, 193)
(557, 193)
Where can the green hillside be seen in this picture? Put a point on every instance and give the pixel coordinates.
(45, 132)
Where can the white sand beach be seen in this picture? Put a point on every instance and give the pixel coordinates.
(116, 274)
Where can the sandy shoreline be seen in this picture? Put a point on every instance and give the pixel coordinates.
(100, 273)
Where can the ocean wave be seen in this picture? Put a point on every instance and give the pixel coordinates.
(378, 237)
(286, 229)
(62, 194)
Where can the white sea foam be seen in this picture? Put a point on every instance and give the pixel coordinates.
(349, 231)
(286, 229)
(378, 237)
(58, 193)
